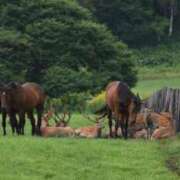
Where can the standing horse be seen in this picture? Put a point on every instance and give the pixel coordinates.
(23, 99)
(123, 105)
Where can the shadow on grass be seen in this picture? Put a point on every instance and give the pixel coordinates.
(173, 163)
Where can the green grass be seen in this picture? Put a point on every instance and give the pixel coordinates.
(35, 158)
(155, 78)
(158, 72)
(147, 87)
(172, 153)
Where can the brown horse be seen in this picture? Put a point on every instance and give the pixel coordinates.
(123, 105)
(21, 99)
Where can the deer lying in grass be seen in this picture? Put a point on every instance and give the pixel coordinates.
(54, 131)
(163, 124)
(153, 125)
(94, 131)
(61, 120)
(139, 128)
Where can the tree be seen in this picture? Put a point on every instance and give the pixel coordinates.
(52, 41)
(168, 8)
(133, 21)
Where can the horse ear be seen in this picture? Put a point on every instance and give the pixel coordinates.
(13, 85)
(138, 96)
(2, 86)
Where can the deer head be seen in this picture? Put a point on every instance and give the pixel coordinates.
(96, 120)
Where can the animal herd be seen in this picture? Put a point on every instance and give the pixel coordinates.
(123, 109)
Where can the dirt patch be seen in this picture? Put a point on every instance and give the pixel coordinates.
(173, 164)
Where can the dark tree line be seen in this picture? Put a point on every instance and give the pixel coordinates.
(60, 45)
(138, 22)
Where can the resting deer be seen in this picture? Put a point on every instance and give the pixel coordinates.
(160, 124)
(54, 131)
(61, 121)
(139, 128)
(94, 131)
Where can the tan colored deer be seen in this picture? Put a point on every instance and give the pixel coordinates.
(160, 124)
(94, 131)
(164, 123)
(61, 120)
(139, 128)
(54, 131)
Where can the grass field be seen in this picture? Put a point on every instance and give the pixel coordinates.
(36, 158)
(147, 87)
(153, 79)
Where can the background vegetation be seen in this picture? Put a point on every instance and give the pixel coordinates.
(73, 48)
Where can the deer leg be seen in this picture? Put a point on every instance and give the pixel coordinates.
(31, 117)
(4, 122)
(110, 123)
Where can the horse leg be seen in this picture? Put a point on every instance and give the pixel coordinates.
(39, 115)
(122, 128)
(21, 122)
(31, 117)
(121, 123)
(118, 123)
(126, 126)
(14, 123)
(4, 122)
(110, 122)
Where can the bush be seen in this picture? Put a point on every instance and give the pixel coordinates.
(166, 55)
(96, 102)
(70, 102)
(58, 44)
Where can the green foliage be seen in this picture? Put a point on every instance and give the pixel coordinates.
(60, 82)
(133, 21)
(57, 44)
(97, 102)
(166, 55)
(69, 102)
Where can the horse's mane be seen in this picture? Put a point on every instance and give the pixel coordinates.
(124, 93)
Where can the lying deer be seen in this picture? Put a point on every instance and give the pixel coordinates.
(94, 131)
(160, 125)
(139, 128)
(54, 131)
(61, 121)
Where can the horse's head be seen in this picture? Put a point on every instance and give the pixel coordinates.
(8, 93)
(136, 107)
(137, 103)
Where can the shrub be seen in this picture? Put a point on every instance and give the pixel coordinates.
(96, 102)
(69, 102)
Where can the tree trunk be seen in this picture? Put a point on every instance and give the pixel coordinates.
(171, 22)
